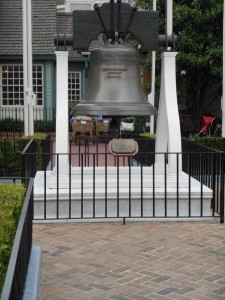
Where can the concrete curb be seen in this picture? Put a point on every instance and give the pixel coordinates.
(32, 288)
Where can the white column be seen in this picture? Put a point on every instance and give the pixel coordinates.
(25, 62)
(152, 95)
(30, 69)
(62, 118)
(27, 69)
(168, 135)
(169, 17)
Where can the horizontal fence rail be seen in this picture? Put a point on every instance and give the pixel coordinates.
(19, 259)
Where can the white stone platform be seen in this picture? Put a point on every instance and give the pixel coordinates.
(129, 197)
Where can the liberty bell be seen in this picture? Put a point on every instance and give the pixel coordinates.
(114, 84)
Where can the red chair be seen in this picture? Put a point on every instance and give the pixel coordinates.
(206, 126)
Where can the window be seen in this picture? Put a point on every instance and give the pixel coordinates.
(38, 84)
(74, 86)
(12, 84)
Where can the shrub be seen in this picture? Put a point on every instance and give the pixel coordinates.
(39, 136)
(10, 156)
(11, 202)
(9, 124)
(211, 142)
(149, 135)
(44, 126)
(10, 153)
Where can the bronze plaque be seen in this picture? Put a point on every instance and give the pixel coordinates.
(123, 146)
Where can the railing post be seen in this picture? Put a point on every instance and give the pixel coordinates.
(213, 181)
(222, 188)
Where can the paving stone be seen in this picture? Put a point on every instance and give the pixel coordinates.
(98, 275)
(138, 297)
(99, 261)
(167, 291)
(148, 249)
(112, 274)
(82, 287)
(213, 278)
(161, 279)
(185, 290)
(96, 265)
(57, 252)
(220, 291)
(117, 297)
(100, 286)
(197, 245)
(217, 253)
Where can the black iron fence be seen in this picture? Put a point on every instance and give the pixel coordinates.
(12, 159)
(12, 120)
(99, 185)
(208, 166)
(29, 159)
(17, 113)
(47, 149)
(95, 176)
(18, 264)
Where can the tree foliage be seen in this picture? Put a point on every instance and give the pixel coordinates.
(199, 28)
(198, 25)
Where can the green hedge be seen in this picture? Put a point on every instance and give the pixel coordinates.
(149, 135)
(9, 124)
(211, 142)
(44, 126)
(10, 153)
(10, 156)
(11, 202)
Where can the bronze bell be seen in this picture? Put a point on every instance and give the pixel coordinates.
(114, 86)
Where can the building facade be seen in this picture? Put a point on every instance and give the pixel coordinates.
(46, 22)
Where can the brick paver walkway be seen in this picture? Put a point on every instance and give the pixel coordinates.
(139, 260)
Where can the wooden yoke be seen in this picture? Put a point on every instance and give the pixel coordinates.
(111, 18)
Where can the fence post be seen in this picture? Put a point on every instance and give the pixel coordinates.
(222, 188)
(29, 159)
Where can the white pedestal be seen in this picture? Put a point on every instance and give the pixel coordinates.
(168, 135)
(158, 186)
